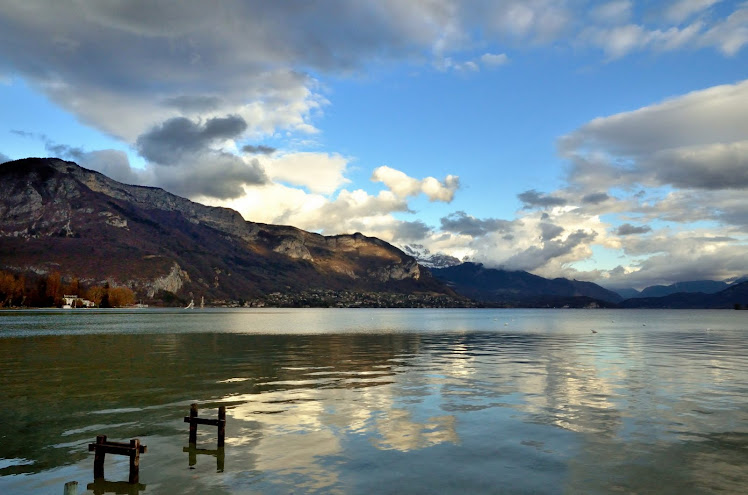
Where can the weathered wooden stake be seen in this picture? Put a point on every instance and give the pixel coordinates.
(71, 488)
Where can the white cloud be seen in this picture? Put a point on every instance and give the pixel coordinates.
(619, 41)
(730, 35)
(616, 12)
(321, 173)
(403, 186)
(683, 9)
(494, 60)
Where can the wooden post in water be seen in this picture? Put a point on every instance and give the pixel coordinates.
(193, 424)
(221, 425)
(135, 461)
(71, 488)
(99, 454)
(132, 450)
(193, 420)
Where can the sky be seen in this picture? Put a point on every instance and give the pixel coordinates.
(599, 141)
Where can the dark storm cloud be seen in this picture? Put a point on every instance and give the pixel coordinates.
(628, 229)
(595, 198)
(258, 150)
(214, 174)
(461, 223)
(54, 149)
(410, 231)
(717, 166)
(64, 151)
(194, 103)
(167, 143)
(533, 199)
(550, 231)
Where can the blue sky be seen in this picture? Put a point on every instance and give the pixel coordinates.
(602, 141)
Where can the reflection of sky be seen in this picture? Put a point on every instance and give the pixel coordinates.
(534, 402)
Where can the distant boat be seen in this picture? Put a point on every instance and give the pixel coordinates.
(191, 305)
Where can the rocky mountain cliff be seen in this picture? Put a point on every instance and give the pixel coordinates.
(56, 215)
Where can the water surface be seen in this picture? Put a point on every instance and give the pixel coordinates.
(379, 401)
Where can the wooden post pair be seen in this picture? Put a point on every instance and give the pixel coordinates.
(132, 449)
(193, 420)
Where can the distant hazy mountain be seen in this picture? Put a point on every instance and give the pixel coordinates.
(704, 286)
(627, 293)
(57, 216)
(518, 287)
(736, 294)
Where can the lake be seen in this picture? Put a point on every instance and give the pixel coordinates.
(378, 400)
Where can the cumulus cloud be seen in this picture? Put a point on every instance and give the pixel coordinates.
(690, 153)
(182, 88)
(628, 229)
(669, 257)
(147, 65)
(404, 186)
(319, 172)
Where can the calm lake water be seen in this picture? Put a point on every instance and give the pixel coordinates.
(379, 401)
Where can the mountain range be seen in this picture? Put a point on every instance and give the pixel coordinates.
(56, 216)
(521, 288)
(703, 286)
